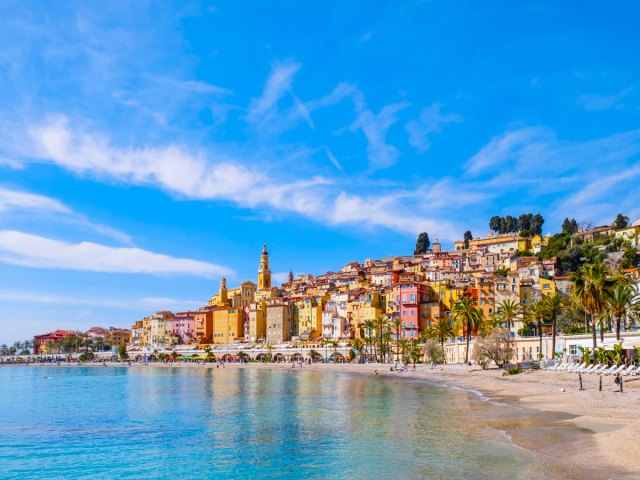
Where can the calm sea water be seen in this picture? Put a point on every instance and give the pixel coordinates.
(184, 423)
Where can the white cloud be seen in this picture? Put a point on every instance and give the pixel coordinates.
(431, 120)
(40, 205)
(280, 277)
(140, 304)
(21, 200)
(386, 211)
(263, 108)
(11, 163)
(27, 250)
(333, 159)
(594, 103)
(524, 145)
(172, 168)
(380, 154)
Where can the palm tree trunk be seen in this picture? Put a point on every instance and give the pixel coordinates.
(466, 357)
(602, 331)
(540, 334)
(553, 336)
(595, 338)
(444, 357)
(618, 328)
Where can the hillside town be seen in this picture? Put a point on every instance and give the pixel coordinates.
(504, 278)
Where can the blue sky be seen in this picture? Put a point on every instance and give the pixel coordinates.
(147, 149)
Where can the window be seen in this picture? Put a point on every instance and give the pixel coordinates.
(404, 313)
(404, 297)
(573, 349)
(413, 297)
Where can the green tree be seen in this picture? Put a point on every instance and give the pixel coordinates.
(467, 237)
(507, 312)
(569, 226)
(122, 353)
(469, 316)
(495, 223)
(620, 221)
(536, 224)
(621, 300)
(524, 222)
(510, 224)
(630, 256)
(590, 286)
(554, 305)
(441, 331)
(370, 326)
(537, 314)
(415, 352)
(422, 244)
(381, 325)
(358, 346)
(397, 324)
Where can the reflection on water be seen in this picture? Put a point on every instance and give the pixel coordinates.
(243, 423)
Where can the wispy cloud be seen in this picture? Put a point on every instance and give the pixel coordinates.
(385, 211)
(431, 120)
(381, 154)
(22, 200)
(594, 103)
(142, 304)
(27, 250)
(39, 205)
(173, 168)
(333, 159)
(278, 84)
(11, 163)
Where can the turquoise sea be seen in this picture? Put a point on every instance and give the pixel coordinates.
(196, 423)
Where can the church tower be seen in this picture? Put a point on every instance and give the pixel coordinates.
(264, 274)
(223, 291)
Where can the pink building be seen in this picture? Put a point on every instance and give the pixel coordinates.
(407, 297)
(183, 327)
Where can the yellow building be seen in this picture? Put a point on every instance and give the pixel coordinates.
(228, 325)
(369, 306)
(630, 234)
(547, 286)
(307, 316)
(257, 322)
(279, 323)
(236, 297)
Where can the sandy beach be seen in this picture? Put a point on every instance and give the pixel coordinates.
(592, 432)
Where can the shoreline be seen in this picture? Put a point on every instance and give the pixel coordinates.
(590, 431)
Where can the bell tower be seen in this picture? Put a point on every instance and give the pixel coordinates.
(264, 274)
(223, 291)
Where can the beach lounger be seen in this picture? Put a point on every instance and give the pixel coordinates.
(618, 370)
(598, 368)
(609, 370)
(629, 370)
(588, 368)
(577, 368)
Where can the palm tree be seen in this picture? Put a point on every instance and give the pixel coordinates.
(537, 313)
(381, 324)
(270, 352)
(415, 352)
(358, 345)
(370, 326)
(508, 311)
(554, 305)
(590, 286)
(471, 317)
(621, 300)
(397, 323)
(404, 347)
(441, 331)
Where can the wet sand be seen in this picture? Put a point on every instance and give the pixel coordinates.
(584, 433)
